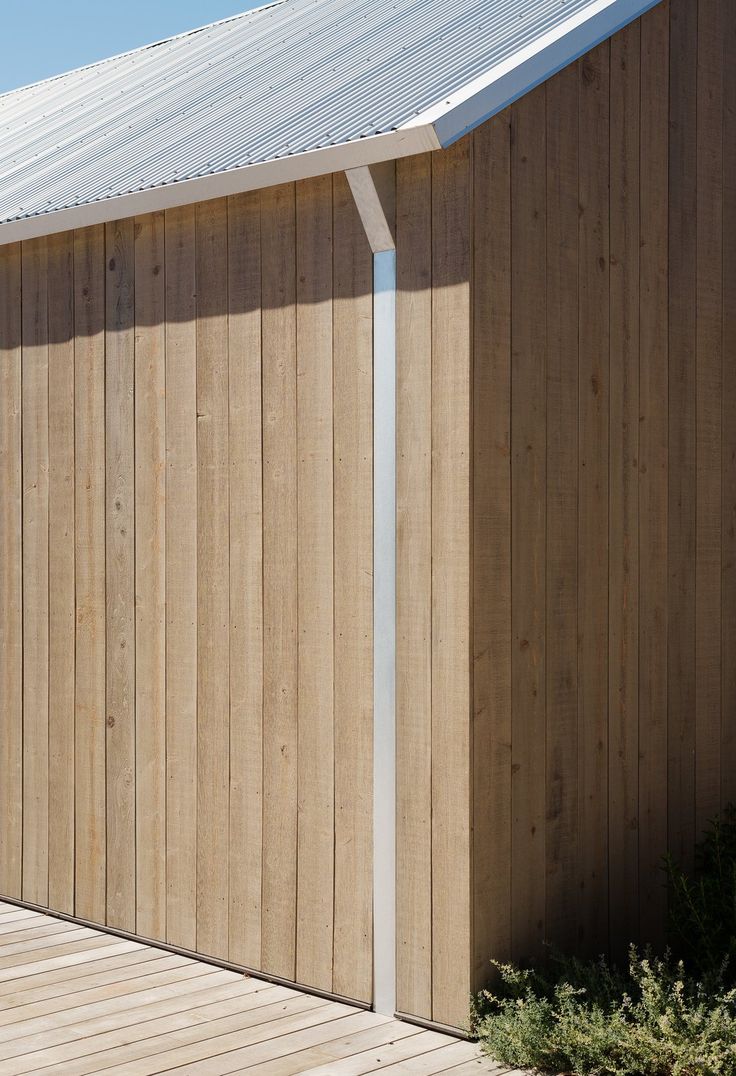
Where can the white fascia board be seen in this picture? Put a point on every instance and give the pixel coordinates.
(454, 116)
(318, 162)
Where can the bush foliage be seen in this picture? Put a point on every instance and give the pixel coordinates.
(702, 905)
(668, 1015)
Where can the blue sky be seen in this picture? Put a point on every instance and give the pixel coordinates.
(45, 37)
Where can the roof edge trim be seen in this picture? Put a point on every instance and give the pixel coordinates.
(318, 162)
(456, 115)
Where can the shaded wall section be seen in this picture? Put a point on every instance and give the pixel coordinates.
(567, 506)
(186, 602)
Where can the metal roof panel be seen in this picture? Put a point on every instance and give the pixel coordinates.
(287, 79)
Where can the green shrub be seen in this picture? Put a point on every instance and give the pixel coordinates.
(670, 1015)
(702, 904)
(591, 1020)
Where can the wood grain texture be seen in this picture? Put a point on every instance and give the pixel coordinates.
(213, 583)
(279, 581)
(653, 471)
(246, 579)
(682, 498)
(35, 440)
(161, 1011)
(728, 477)
(451, 603)
(561, 656)
(709, 390)
(89, 551)
(623, 539)
(155, 545)
(315, 610)
(566, 520)
(61, 571)
(120, 572)
(414, 586)
(11, 573)
(492, 546)
(528, 523)
(353, 558)
(150, 576)
(625, 493)
(593, 469)
(181, 578)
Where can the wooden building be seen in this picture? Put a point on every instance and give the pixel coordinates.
(414, 348)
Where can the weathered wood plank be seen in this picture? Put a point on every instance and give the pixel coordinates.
(11, 573)
(353, 552)
(120, 572)
(61, 571)
(414, 586)
(144, 1049)
(12, 914)
(181, 578)
(74, 940)
(150, 577)
(728, 489)
(528, 521)
(623, 543)
(446, 1058)
(279, 581)
(395, 1053)
(89, 539)
(593, 464)
(682, 431)
(709, 390)
(246, 579)
(290, 1051)
(103, 970)
(187, 998)
(35, 436)
(316, 671)
(12, 935)
(561, 624)
(38, 922)
(451, 602)
(117, 1000)
(117, 985)
(332, 1049)
(653, 467)
(213, 616)
(13, 951)
(491, 564)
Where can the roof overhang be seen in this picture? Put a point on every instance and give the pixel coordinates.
(434, 128)
(470, 106)
(318, 162)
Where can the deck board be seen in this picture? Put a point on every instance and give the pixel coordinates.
(127, 1009)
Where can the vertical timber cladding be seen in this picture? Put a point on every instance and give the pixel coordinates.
(186, 588)
(186, 541)
(434, 244)
(595, 623)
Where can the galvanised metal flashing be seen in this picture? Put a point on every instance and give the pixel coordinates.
(381, 240)
(293, 89)
(384, 632)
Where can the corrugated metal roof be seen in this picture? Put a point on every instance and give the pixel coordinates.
(287, 79)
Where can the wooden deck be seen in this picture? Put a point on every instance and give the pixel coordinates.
(75, 1000)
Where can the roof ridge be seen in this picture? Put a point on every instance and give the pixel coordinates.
(144, 48)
